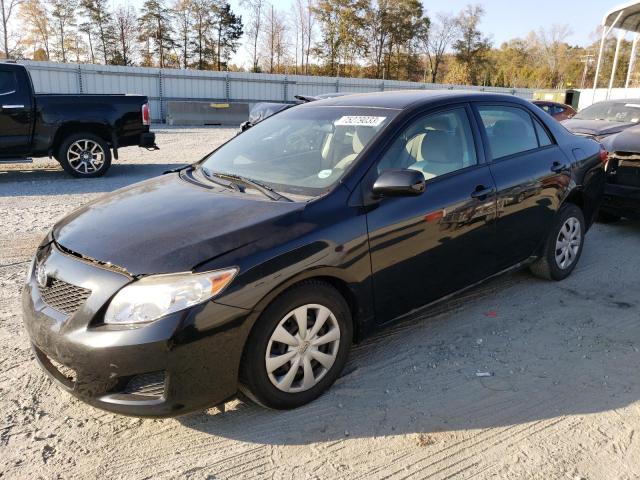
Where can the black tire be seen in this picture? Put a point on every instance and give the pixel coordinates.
(606, 217)
(69, 147)
(547, 265)
(255, 382)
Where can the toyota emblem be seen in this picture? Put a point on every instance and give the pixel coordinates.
(41, 276)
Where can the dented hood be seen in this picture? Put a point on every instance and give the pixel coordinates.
(595, 127)
(168, 224)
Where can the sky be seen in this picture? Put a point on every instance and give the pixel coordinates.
(503, 20)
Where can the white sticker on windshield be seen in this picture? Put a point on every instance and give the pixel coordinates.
(632, 105)
(359, 121)
(324, 173)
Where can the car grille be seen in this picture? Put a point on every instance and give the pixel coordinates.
(63, 296)
(146, 385)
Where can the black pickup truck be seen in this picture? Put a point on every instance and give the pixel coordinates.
(79, 131)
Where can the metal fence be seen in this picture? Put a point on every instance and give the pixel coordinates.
(163, 85)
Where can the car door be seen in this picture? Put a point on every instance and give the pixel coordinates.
(427, 246)
(531, 173)
(15, 112)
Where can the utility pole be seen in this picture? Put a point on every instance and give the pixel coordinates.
(588, 61)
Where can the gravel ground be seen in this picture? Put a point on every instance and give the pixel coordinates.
(563, 400)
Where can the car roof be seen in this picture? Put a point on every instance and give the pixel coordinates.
(408, 98)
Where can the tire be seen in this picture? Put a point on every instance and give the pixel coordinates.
(84, 155)
(606, 217)
(564, 245)
(301, 378)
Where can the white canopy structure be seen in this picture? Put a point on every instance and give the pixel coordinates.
(625, 18)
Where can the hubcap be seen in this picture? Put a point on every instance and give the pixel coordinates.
(568, 243)
(302, 348)
(85, 156)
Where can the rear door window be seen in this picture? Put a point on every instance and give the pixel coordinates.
(510, 130)
(7, 82)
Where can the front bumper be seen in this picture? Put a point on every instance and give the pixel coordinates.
(192, 357)
(621, 200)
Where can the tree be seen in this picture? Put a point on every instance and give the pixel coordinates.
(304, 21)
(100, 20)
(8, 7)
(254, 27)
(436, 40)
(126, 28)
(552, 49)
(343, 35)
(63, 16)
(35, 20)
(201, 14)
(274, 39)
(155, 24)
(227, 29)
(182, 11)
(471, 48)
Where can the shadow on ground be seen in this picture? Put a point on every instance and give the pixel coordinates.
(553, 349)
(54, 181)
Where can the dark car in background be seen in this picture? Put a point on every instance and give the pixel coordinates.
(256, 268)
(559, 111)
(603, 119)
(616, 124)
(79, 131)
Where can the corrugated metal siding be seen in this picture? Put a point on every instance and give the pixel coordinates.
(163, 85)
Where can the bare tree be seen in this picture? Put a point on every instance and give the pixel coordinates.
(126, 26)
(8, 7)
(274, 43)
(63, 16)
(437, 39)
(552, 48)
(254, 29)
(304, 20)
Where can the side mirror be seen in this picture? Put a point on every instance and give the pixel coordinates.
(399, 183)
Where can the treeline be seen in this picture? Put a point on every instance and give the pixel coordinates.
(392, 39)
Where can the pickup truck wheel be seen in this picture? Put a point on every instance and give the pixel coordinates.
(84, 155)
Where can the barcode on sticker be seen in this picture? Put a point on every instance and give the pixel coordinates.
(359, 121)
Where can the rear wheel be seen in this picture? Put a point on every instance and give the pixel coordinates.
(84, 155)
(298, 347)
(563, 246)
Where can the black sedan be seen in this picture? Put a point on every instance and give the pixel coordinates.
(255, 269)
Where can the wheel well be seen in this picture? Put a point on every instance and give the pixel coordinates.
(103, 131)
(577, 198)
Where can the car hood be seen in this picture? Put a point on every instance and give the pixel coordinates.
(595, 127)
(626, 141)
(168, 224)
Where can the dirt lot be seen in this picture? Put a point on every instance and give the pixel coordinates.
(563, 400)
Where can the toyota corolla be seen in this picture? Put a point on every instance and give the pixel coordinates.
(256, 268)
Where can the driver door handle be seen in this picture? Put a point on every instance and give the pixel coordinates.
(482, 192)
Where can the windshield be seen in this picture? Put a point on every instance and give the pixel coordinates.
(303, 150)
(611, 112)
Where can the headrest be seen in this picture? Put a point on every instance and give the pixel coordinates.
(438, 122)
(362, 136)
(441, 147)
(509, 128)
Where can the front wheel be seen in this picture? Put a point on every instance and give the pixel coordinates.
(563, 246)
(84, 155)
(298, 347)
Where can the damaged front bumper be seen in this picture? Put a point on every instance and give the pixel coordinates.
(182, 362)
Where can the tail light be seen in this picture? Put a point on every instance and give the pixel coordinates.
(146, 114)
(604, 155)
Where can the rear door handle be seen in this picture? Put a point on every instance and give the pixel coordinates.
(558, 167)
(482, 192)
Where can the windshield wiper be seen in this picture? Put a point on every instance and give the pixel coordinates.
(264, 189)
(215, 178)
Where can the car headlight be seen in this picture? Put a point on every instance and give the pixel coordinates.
(155, 296)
